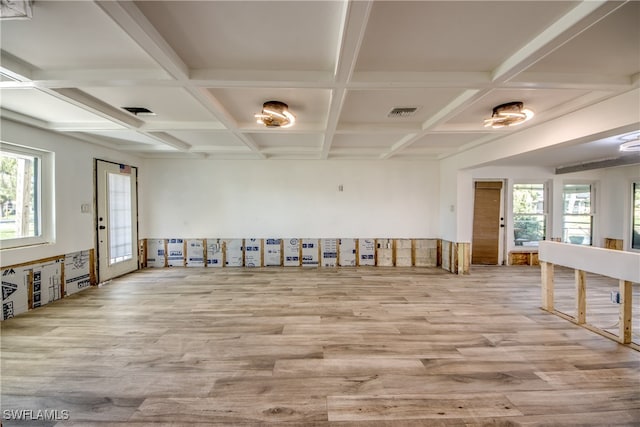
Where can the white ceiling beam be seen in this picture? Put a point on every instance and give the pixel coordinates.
(177, 126)
(15, 68)
(577, 20)
(96, 106)
(262, 78)
(102, 77)
(582, 81)
(221, 149)
(127, 15)
(400, 79)
(354, 24)
(21, 118)
(214, 106)
(169, 140)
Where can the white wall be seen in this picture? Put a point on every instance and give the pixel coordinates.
(615, 197)
(215, 198)
(74, 185)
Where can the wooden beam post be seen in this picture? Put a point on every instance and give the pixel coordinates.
(581, 296)
(626, 297)
(546, 269)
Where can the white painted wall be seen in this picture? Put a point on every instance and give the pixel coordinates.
(212, 198)
(615, 197)
(73, 175)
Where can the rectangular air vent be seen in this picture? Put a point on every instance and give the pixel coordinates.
(139, 111)
(402, 112)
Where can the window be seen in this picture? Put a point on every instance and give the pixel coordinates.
(21, 200)
(529, 214)
(577, 221)
(635, 236)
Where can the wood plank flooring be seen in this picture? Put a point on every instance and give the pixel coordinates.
(319, 347)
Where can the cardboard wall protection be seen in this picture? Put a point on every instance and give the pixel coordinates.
(404, 253)
(310, 255)
(272, 252)
(195, 253)
(291, 252)
(384, 252)
(329, 251)
(156, 256)
(253, 253)
(15, 291)
(215, 254)
(347, 252)
(175, 252)
(234, 252)
(366, 252)
(46, 282)
(426, 252)
(77, 273)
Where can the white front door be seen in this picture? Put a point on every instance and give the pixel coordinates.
(117, 219)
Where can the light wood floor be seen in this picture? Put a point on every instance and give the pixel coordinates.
(289, 346)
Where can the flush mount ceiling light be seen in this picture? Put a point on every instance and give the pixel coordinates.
(275, 114)
(509, 114)
(632, 145)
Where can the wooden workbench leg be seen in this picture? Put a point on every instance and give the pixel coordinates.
(626, 301)
(546, 269)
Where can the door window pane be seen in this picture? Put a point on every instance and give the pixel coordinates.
(529, 219)
(120, 227)
(577, 223)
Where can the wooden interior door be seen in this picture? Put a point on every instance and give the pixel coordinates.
(485, 245)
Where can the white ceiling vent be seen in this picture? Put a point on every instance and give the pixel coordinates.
(402, 112)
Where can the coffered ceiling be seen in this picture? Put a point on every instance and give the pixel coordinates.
(205, 68)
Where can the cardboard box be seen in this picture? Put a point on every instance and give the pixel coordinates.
(329, 251)
(272, 252)
(77, 273)
(253, 253)
(367, 252)
(215, 255)
(156, 256)
(347, 256)
(291, 252)
(310, 255)
(15, 291)
(175, 252)
(195, 253)
(234, 253)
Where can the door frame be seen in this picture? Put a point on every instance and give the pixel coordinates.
(96, 214)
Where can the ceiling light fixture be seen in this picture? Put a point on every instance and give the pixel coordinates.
(275, 114)
(632, 145)
(509, 114)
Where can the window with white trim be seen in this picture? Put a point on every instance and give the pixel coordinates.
(577, 219)
(25, 212)
(529, 214)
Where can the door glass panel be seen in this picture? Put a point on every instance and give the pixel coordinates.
(120, 243)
